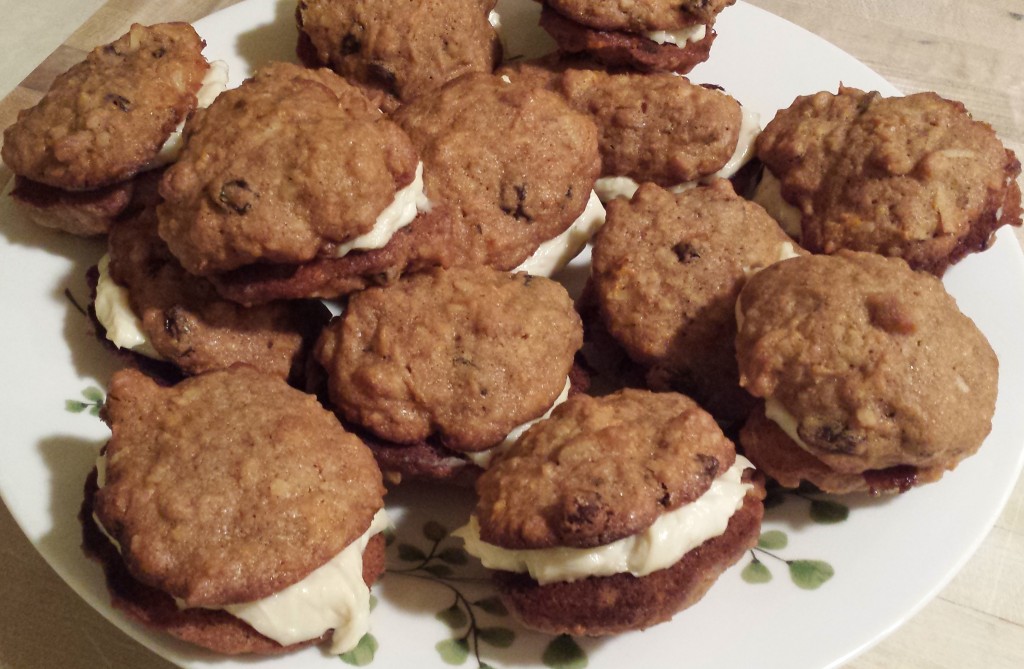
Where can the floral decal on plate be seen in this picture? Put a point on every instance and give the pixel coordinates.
(92, 402)
(476, 622)
(806, 574)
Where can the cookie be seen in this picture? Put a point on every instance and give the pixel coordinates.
(666, 271)
(210, 628)
(87, 213)
(337, 167)
(146, 299)
(653, 127)
(231, 487)
(560, 514)
(913, 177)
(866, 364)
(105, 119)
(507, 166)
(400, 51)
(647, 51)
(636, 16)
(463, 355)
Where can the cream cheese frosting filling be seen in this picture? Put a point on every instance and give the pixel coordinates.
(115, 314)
(768, 194)
(214, 83)
(683, 36)
(786, 251)
(331, 597)
(611, 187)
(483, 459)
(787, 422)
(661, 545)
(555, 253)
(408, 202)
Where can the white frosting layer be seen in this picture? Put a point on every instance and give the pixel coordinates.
(683, 36)
(483, 459)
(787, 422)
(555, 253)
(408, 202)
(115, 314)
(333, 596)
(661, 545)
(214, 83)
(786, 251)
(750, 128)
(769, 195)
(609, 188)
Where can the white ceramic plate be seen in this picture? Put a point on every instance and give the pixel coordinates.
(887, 558)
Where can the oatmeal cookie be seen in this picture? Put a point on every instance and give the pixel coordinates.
(507, 166)
(637, 50)
(228, 488)
(865, 363)
(914, 177)
(464, 354)
(400, 51)
(652, 127)
(214, 629)
(106, 118)
(188, 324)
(281, 170)
(594, 482)
(601, 469)
(666, 270)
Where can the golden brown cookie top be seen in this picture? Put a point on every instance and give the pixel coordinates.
(914, 177)
(230, 485)
(600, 469)
(874, 362)
(666, 270)
(466, 354)
(281, 169)
(507, 166)
(190, 325)
(401, 49)
(639, 15)
(107, 117)
(655, 127)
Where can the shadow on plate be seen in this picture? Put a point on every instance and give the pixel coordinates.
(271, 41)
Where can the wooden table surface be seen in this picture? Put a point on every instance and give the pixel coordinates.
(965, 49)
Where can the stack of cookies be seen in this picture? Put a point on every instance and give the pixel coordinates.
(431, 194)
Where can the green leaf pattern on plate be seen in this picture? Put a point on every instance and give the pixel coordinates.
(93, 402)
(805, 574)
(437, 563)
(756, 572)
(363, 653)
(564, 653)
(810, 574)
